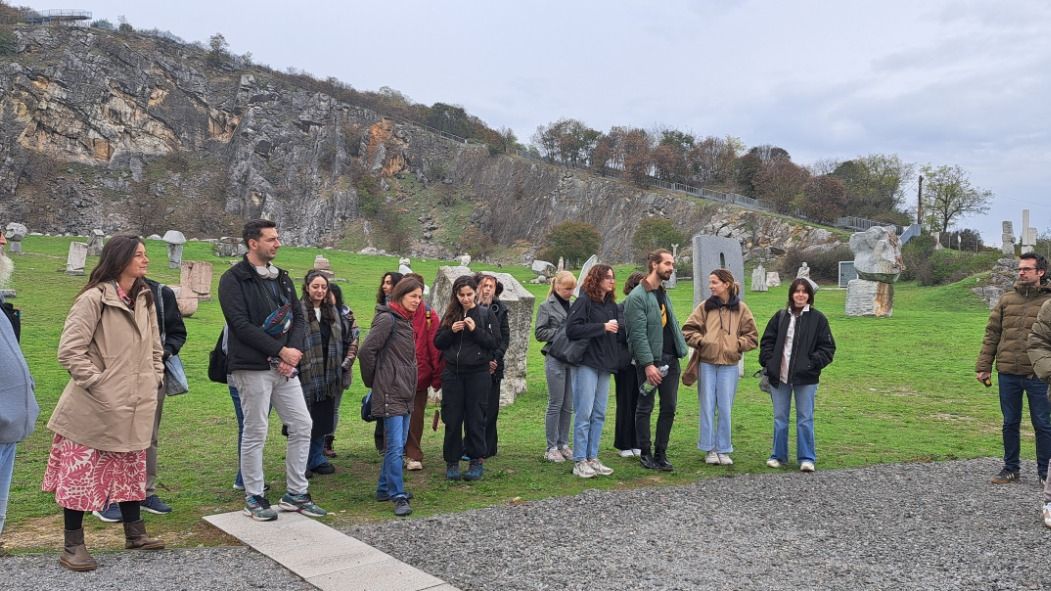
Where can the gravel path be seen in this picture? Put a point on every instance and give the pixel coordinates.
(904, 526)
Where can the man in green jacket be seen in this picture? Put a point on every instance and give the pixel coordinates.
(656, 342)
(1006, 336)
(1040, 357)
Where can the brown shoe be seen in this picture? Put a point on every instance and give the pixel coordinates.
(328, 451)
(136, 539)
(75, 555)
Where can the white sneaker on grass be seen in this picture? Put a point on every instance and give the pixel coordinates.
(806, 466)
(600, 468)
(636, 452)
(725, 460)
(773, 463)
(553, 455)
(626, 453)
(711, 458)
(583, 469)
(1047, 514)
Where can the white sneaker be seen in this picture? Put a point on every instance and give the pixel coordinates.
(600, 468)
(583, 469)
(626, 453)
(553, 455)
(806, 467)
(567, 452)
(636, 452)
(773, 463)
(711, 458)
(725, 460)
(1047, 514)
(413, 465)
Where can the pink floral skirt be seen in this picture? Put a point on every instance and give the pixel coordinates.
(87, 479)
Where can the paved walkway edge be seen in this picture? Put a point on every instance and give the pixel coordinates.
(328, 559)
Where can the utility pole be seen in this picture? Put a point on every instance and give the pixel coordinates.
(919, 202)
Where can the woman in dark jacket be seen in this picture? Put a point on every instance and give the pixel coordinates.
(796, 345)
(351, 334)
(596, 318)
(319, 370)
(388, 366)
(467, 342)
(626, 386)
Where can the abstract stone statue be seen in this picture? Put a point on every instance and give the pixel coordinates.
(1007, 239)
(15, 232)
(773, 279)
(195, 278)
(76, 259)
(323, 266)
(175, 240)
(711, 253)
(403, 266)
(96, 242)
(465, 260)
(519, 302)
(229, 246)
(584, 273)
(877, 260)
(803, 272)
(759, 279)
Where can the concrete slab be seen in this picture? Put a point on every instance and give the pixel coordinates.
(324, 557)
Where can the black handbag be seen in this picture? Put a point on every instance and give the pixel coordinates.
(217, 361)
(14, 315)
(565, 349)
(366, 408)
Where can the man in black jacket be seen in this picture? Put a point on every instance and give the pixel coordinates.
(174, 336)
(489, 290)
(266, 335)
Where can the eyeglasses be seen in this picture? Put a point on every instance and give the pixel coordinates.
(1026, 269)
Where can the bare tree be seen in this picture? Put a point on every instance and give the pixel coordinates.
(948, 195)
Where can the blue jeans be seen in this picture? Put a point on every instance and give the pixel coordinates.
(7, 469)
(316, 455)
(396, 431)
(1011, 389)
(782, 399)
(717, 390)
(590, 396)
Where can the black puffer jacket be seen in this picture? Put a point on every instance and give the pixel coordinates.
(498, 310)
(469, 351)
(812, 347)
(246, 302)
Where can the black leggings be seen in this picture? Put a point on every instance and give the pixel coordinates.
(129, 512)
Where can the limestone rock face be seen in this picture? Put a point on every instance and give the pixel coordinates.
(519, 302)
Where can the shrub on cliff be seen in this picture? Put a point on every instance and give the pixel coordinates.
(573, 241)
(654, 233)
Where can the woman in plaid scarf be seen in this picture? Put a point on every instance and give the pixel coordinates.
(320, 370)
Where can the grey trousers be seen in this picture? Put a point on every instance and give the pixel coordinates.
(259, 390)
(559, 402)
(151, 452)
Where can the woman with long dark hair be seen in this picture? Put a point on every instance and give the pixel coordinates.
(351, 332)
(320, 371)
(796, 345)
(103, 421)
(594, 317)
(388, 367)
(626, 386)
(722, 329)
(387, 283)
(466, 340)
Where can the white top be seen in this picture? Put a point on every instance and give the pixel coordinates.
(790, 335)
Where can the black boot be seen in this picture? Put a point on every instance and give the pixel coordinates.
(661, 460)
(646, 459)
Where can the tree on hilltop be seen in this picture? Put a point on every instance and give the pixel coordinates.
(949, 195)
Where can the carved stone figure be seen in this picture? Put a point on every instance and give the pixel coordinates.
(175, 240)
(877, 260)
(759, 279)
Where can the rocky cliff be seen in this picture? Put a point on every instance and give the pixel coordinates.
(127, 132)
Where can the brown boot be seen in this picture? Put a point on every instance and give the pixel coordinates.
(75, 555)
(136, 539)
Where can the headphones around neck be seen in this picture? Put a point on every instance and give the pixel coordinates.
(267, 272)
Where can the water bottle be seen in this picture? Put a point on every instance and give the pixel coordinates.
(642, 389)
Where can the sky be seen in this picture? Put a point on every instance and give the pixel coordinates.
(954, 82)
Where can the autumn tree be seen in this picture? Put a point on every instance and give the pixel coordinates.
(670, 156)
(632, 152)
(824, 198)
(754, 162)
(653, 233)
(573, 241)
(948, 195)
(875, 184)
(712, 160)
(780, 184)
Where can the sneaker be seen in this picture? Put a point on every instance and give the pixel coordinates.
(806, 466)
(413, 465)
(323, 469)
(153, 504)
(567, 452)
(725, 460)
(301, 504)
(599, 468)
(474, 470)
(711, 458)
(241, 486)
(554, 455)
(1005, 477)
(111, 514)
(452, 471)
(773, 463)
(383, 497)
(258, 508)
(626, 453)
(1047, 514)
(636, 452)
(583, 469)
(401, 507)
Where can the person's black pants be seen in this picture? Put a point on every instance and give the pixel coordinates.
(669, 394)
(492, 412)
(464, 400)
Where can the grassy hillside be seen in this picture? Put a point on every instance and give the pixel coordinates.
(900, 389)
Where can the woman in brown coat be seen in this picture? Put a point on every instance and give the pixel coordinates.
(104, 419)
(722, 329)
(388, 366)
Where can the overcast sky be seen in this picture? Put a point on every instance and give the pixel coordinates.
(939, 81)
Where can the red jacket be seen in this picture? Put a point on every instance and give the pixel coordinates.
(429, 363)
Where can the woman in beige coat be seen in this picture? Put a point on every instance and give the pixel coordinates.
(721, 329)
(104, 419)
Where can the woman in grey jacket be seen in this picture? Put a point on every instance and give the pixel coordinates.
(549, 319)
(387, 360)
(18, 407)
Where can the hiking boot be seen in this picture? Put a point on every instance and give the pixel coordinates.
(452, 471)
(301, 504)
(600, 468)
(154, 505)
(711, 458)
(258, 508)
(135, 537)
(554, 455)
(401, 507)
(383, 497)
(1006, 477)
(474, 470)
(323, 469)
(583, 469)
(111, 514)
(75, 555)
(648, 462)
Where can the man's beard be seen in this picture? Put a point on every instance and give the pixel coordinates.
(7, 268)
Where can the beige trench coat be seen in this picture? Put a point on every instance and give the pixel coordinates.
(114, 358)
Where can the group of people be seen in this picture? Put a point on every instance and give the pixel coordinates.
(640, 344)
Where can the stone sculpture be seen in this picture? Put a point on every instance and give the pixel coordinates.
(15, 232)
(403, 266)
(175, 240)
(877, 260)
(1007, 239)
(77, 258)
(519, 302)
(803, 272)
(195, 278)
(465, 260)
(711, 253)
(323, 266)
(229, 246)
(584, 273)
(96, 242)
(773, 279)
(759, 278)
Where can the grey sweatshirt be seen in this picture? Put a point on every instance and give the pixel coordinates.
(18, 407)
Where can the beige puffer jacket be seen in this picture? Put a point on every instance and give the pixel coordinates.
(1040, 343)
(1007, 332)
(723, 334)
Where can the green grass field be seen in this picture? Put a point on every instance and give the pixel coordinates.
(901, 389)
